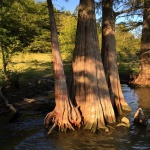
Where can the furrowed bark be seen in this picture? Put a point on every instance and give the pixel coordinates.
(110, 60)
(65, 115)
(89, 86)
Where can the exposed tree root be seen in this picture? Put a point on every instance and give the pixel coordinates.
(64, 120)
(51, 129)
(65, 115)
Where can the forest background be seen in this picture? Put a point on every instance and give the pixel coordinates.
(25, 38)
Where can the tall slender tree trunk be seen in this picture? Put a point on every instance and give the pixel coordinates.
(109, 57)
(2, 49)
(89, 87)
(65, 114)
(4, 63)
(144, 73)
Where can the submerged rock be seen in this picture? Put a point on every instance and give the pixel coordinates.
(124, 123)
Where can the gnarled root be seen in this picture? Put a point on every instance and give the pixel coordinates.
(64, 120)
(48, 117)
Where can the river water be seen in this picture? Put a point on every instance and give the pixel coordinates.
(27, 132)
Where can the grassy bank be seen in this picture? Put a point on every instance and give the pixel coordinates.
(29, 67)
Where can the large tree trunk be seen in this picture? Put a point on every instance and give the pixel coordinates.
(64, 114)
(109, 57)
(89, 87)
(144, 73)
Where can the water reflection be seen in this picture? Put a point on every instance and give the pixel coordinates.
(28, 132)
(78, 140)
(144, 100)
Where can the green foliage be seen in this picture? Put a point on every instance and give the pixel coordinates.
(23, 28)
(41, 41)
(128, 46)
(67, 30)
(17, 28)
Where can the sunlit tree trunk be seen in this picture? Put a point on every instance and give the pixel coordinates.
(89, 87)
(65, 114)
(109, 57)
(144, 73)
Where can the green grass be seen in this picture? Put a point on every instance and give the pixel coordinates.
(28, 68)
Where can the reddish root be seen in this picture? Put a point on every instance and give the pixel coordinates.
(48, 117)
(51, 129)
(58, 120)
(65, 119)
(62, 126)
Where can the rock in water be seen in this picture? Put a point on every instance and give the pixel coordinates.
(124, 122)
(139, 117)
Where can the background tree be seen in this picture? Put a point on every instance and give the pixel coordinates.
(89, 87)
(5, 33)
(17, 29)
(41, 39)
(127, 48)
(144, 73)
(66, 23)
(128, 15)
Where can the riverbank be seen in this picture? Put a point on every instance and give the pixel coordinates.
(31, 80)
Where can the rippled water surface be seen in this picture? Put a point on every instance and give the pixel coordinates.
(27, 132)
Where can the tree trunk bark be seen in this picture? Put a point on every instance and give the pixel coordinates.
(2, 49)
(109, 57)
(89, 88)
(65, 114)
(143, 78)
(4, 64)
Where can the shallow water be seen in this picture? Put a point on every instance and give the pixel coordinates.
(27, 132)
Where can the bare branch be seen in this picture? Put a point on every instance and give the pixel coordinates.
(6, 102)
(126, 11)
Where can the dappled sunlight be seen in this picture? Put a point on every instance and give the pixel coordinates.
(29, 57)
(89, 82)
(86, 12)
(33, 61)
(92, 89)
